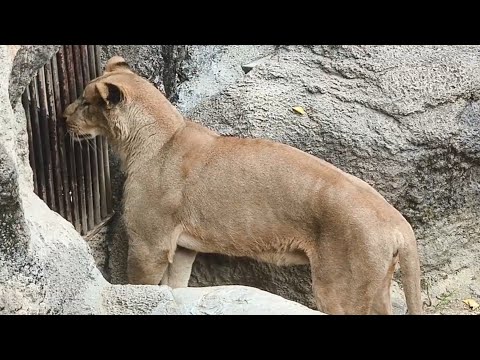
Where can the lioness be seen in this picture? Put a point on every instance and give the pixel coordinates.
(190, 190)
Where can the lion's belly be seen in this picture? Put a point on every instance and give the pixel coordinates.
(276, 251)
(296, 257)
(193, 243)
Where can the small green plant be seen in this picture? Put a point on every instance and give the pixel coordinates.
(444, 300)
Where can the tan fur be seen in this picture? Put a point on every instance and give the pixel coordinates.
(190, 190)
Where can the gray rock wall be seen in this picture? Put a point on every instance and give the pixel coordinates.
(160, 64)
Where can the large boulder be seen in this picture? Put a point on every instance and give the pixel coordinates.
(46, 267)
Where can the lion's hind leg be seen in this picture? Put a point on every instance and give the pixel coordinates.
(382, 304)
(178, 272)
(343, 286)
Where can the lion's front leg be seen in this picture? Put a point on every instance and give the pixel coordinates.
(149, 257)
(178, 272)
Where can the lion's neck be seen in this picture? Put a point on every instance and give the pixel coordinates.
(147, 135)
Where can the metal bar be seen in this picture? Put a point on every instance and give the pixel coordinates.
(89, 151)
(101, 178)
(91, 61)
(66, 96)
(77, 66)
(98, 227)
(84, 146)
(98, 62)
(73, 178)
(108, 188)
(64, 198)
(85, 65)
(95, 66)
(37, 145)
(108, 184)
(31, 151)
(92, 144)
(45, 116)
(54, 147)
(77, 145)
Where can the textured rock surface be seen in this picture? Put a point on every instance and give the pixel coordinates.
(406, 119)
(160, 64)
(215, 300)
(234, 300)
(45, 265)
(212, 68)
(28, 60)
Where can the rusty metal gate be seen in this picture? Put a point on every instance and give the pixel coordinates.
(73, 178)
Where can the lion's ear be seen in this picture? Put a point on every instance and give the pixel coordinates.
(110, 93)
(117, 63)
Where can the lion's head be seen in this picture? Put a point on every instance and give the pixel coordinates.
(116, 105)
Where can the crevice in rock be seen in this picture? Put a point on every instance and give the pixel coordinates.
(173, 57)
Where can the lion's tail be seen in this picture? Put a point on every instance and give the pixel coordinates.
(410, 270)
